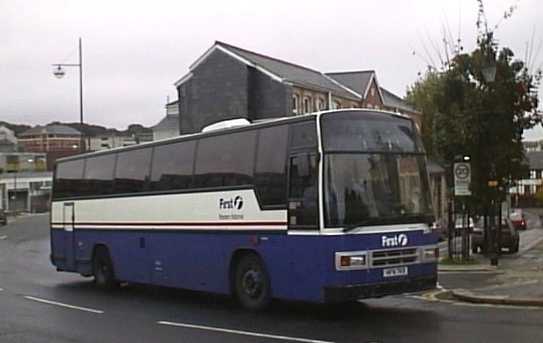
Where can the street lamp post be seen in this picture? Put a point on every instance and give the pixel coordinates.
(489, 75)
(59, 73)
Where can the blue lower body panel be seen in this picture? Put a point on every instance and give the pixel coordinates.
(301, 267)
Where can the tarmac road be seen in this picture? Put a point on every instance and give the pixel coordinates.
(38, 304)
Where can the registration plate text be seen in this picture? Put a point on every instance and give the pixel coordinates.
(397, 271)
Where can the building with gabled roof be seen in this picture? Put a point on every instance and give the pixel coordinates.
(8, 141)
(168, 126)
(363, 82)
(230, 82)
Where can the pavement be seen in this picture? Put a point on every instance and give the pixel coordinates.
(516, 281)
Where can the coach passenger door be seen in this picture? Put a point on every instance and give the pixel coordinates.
(303, 191)
(68, 218)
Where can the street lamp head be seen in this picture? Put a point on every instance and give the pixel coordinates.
(489, 72)
(58, 72)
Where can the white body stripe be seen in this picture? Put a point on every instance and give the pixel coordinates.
(207, 210)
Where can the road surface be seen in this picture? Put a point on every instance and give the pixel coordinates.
(39, 304)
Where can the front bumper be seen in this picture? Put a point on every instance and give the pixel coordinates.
(354, 292)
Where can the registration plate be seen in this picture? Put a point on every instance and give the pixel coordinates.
(397, 271)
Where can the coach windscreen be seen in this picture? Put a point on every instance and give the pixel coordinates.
(374, 170)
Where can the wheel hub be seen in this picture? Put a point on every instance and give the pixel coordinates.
(252, 283)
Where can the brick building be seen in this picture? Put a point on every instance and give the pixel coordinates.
(55, 140)
(229, 82)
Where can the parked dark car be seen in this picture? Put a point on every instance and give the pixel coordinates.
(518, 219)
(509, 237)
(3, 217)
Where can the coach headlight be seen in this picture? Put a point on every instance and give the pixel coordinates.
(351, 260)
(430, 254)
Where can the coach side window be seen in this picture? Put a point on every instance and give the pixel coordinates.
(172, 166)
(132, 172)
(68, 178)
(98, 177)
(270, 178)
(225, 160)
(303, 135)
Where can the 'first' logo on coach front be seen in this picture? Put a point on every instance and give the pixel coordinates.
(394, 241)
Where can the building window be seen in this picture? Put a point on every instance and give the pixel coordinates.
(321, 104)
(372, 91)
(295, 104)
(307, 105)
(533, 174)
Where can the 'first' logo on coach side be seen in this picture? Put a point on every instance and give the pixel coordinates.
(231, 204)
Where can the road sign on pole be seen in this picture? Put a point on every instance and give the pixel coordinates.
(462, 178)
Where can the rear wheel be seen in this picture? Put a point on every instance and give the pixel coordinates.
(104, 275)
(252, 284)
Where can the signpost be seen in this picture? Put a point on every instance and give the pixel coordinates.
(462, 179)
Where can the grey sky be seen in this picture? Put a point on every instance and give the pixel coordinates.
(133, 51)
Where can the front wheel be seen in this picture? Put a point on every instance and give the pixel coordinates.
(104, 276)
(252, 284)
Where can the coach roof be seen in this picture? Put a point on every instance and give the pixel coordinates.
(253, 125)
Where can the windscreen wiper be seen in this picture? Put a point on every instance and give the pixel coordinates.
(415, 218)
(351, 227)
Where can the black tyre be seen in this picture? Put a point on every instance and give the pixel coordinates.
(102, 267)
(252, 283)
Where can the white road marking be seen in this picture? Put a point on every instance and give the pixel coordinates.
(1, 289)
(50, 302)
(245, 333)
(3, 237)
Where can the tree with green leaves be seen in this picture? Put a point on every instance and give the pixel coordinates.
(466, 111)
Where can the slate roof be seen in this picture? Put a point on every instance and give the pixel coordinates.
(535, 159)
(291, 72)
(355, 80)
(52, 130)
(392, 100)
